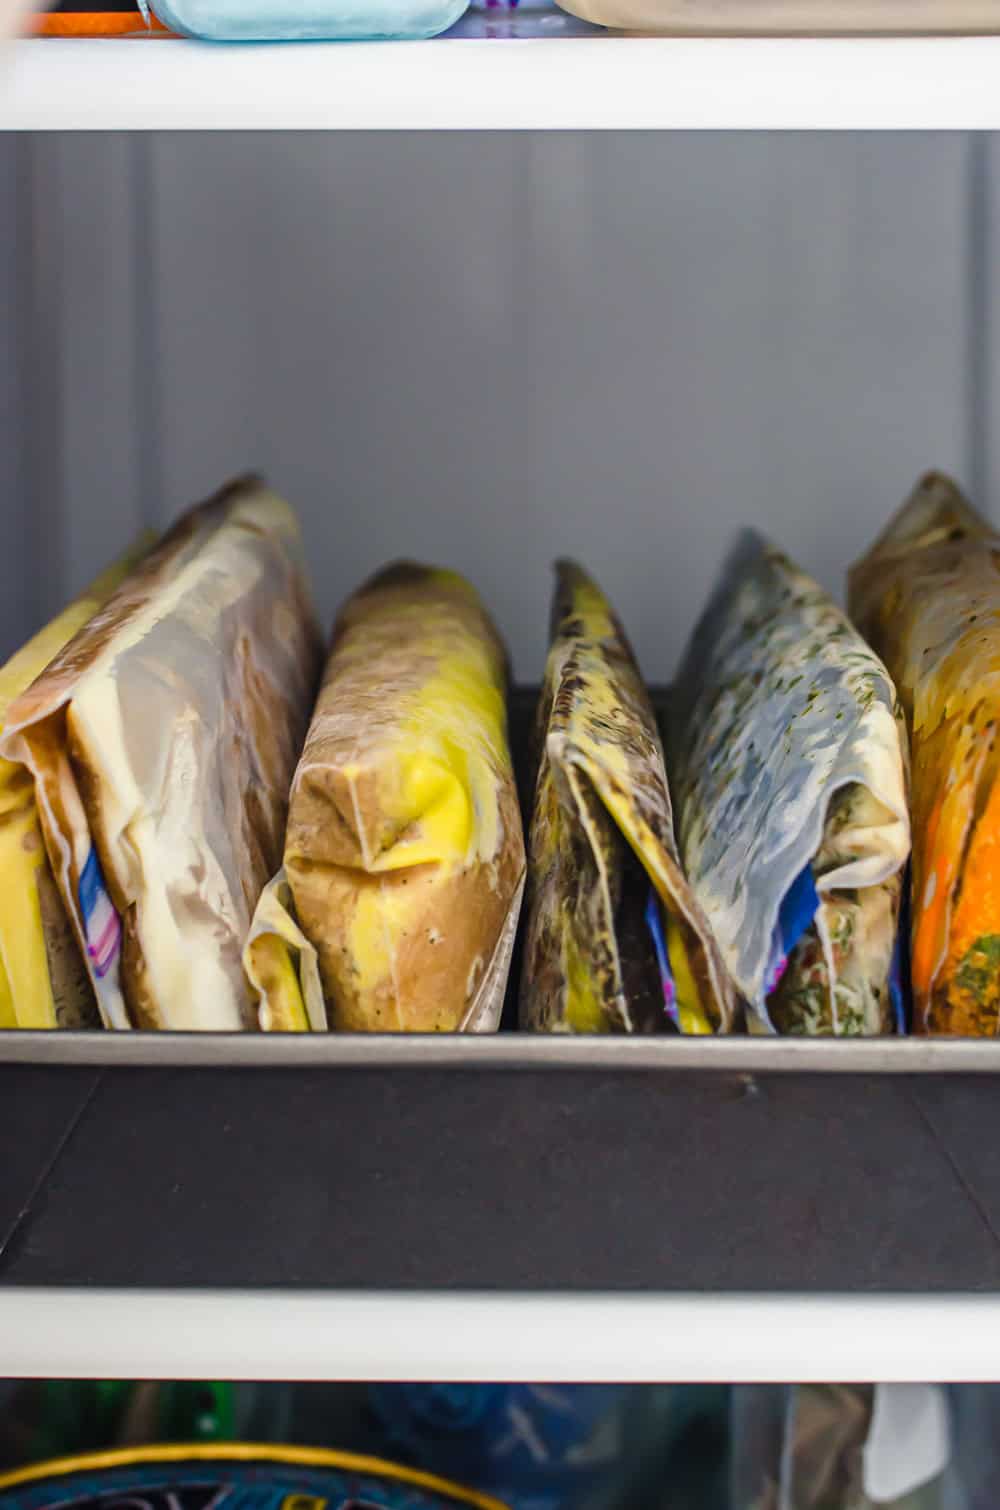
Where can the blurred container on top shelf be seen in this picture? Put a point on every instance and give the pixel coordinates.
(309, 20)
(529, 1447)
(94, 18)
(195, 1476)
(515, 20)
(776, 18)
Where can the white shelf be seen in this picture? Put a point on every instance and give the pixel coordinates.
(540, 82)
(469, 1337)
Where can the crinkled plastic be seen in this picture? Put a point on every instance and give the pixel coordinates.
(841, 1447)
(404, 855)
(927, 595)
(788, 764)
(43, 980)
(536, 1446)
(601, 832)
(282, 966)
(232, 1476)
(162, 742)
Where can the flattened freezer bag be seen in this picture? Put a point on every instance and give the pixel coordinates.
(282, 966)
(162, 742)
(404, 855)
(601, 832)
(789, 768)
(231, 1476)
(43, 980)
(928, 597)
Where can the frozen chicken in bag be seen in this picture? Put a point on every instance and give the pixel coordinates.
(788, 763)
(43, 980)
(615, 940)
(404, 856)
(162, 742)
(927, 595)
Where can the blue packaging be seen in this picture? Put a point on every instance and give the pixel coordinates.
(536, 1446)
(234, 1476)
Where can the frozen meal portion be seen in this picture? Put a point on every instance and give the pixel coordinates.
(43, 979)
(162, 741)
(404, 856)
(788, 759)
(927, 595)
(615, 940)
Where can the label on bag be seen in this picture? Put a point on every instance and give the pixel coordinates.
(101, 923)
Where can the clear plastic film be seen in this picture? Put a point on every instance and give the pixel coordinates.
(927, 595)
(43, 980)
(282, 967)
(788, 762)
(843, 1447)
(404, 855)
(162, 742)
(601, 837)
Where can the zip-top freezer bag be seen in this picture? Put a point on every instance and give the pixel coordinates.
(927, 595)
(43, 979)
(404, 855)
(788, 763)
(282, 966)
(615, 941)
(841, 1447)
(162, 741)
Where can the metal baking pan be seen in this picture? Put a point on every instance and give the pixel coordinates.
(506, 1051)
(512, 1163)
(508, 1162)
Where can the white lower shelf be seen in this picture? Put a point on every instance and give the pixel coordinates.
(478, 83)
(471, 1337)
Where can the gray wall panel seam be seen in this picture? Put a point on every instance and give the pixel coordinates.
(978, 301)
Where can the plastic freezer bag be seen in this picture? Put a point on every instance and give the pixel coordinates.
(43, 979)
(404, 855)
(789, 770)
(162, 742)
(602, 851)
(928, 596)
(841, 1447)
(536, 1446)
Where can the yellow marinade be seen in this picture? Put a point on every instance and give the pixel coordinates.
(404, 854)
(43, 982)
(602, 817)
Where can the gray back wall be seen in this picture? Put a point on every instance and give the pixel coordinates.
(491, 350)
